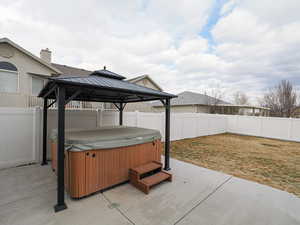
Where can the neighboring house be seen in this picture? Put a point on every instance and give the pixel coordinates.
(191, 102)
(146, 81)
(22, 74)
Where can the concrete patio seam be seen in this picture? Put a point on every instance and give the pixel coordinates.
(203, 200)
(119, 210)
(19, 166)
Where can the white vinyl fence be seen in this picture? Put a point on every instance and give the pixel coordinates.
(21, 128)
(19, 136)
(183, 125)
(270, 127)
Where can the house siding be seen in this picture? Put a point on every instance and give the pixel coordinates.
(139, 106)
(146, 83)
(178, 109)
(202, 109)
(142, 106)
(184, 109)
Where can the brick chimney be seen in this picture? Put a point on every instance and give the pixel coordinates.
(45, 55)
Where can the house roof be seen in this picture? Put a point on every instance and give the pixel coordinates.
(192, 98)
(99, 87)
(49, 66)
(136, 79)
(70, 71)
(67, 71)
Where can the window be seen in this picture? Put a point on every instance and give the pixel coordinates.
(8, 77)
(36, 86)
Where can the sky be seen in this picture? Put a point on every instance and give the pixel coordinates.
(192, 45)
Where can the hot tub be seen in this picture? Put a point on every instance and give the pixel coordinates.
(100, 158)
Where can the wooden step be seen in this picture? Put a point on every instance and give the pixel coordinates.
(147, 167)
(145, 176)
(156, 178)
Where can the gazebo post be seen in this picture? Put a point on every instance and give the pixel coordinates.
(121, 114)
(61, 205)
(45, 115)
(167, 135)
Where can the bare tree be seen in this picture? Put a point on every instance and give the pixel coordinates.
(281, 99)
(214, 98)
(240, 98)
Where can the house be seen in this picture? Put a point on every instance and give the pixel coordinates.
(191, 102)
(146, 81)
(23, 75)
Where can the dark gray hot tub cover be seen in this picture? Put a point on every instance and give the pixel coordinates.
(106, 137)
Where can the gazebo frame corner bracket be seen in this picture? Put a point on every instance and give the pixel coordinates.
(120, 107)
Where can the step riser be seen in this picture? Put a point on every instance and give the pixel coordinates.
(150, 173)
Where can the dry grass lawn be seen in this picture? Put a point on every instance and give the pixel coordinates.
(266, 161)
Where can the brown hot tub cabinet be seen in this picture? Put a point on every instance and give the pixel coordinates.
(91, 170)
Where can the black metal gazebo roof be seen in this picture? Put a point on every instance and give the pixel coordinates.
(102, 86)
(99, 86)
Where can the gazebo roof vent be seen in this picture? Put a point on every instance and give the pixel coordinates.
(106, 73)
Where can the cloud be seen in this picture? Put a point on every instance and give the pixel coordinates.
(261, 47)
(239, 27)
(228, 7)
(277, 13)
(194, 45)
(255, 42)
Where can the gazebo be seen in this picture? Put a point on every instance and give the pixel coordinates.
(100, 86)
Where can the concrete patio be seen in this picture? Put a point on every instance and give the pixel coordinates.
(196, 196)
